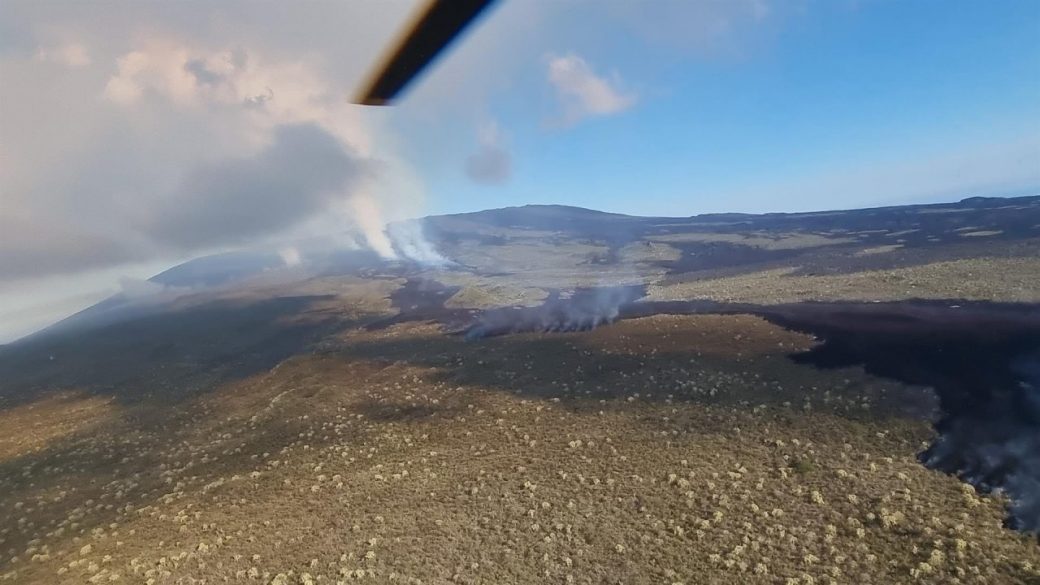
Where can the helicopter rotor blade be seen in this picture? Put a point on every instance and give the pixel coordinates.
(437, 27)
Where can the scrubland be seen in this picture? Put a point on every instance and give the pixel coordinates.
(658, 450)
(271, 432)
(985, 279)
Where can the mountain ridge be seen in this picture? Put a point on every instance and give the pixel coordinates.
(616, 230)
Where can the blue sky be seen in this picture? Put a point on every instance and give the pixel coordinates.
(804, 96)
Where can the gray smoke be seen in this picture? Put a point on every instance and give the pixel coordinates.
(298, 175)
(998, 448)
(585, 309)
(492, 163)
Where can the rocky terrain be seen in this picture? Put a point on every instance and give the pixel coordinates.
(570, 396)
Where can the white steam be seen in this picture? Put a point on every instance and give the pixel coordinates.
(402, 239)
(410, 241)
(290, 255)
(140, 291)
(369, 218)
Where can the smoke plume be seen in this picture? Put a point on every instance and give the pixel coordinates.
(996, 447)
(411, 243)
(585, 309)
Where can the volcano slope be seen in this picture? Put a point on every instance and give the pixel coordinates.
(336, 427)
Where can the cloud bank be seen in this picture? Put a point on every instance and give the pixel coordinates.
(237, 200)
(191, 132)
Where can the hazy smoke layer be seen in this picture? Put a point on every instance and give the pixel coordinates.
(236, 200)
(584, 310)
(492, 163)
(997, 446)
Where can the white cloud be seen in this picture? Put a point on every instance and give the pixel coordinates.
(156, 127)
(582, 93)
(267, 92)
(158, 68)
(122, 137)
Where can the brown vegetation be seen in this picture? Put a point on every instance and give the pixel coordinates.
(659, 450)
